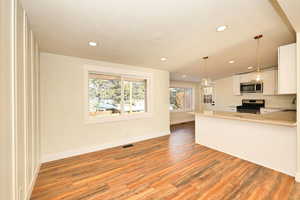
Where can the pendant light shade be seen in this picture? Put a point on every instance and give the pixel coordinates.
(205, 82)
(258, 76)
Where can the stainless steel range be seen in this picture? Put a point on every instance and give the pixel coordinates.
(251, 106)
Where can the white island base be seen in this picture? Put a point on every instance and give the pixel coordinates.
(269, 145)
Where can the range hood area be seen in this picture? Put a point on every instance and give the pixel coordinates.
(274, 81)
(251, 87)
(246, 84)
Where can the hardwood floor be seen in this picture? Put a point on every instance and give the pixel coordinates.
(169, 167)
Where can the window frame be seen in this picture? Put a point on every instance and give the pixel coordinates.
(123, 73)
(193, 99)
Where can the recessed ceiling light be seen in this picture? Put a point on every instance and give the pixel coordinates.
(163, 59)
(221, 28)
(183, 76)
(250, 67)
(231, 61)
(93, 44)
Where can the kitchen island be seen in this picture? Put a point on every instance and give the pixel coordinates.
(265, 139)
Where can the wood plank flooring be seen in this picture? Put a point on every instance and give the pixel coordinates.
(169, 167)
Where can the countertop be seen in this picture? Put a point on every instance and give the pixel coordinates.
(281, 108)
(283, 118)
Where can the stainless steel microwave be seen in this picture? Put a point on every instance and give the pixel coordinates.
(251, 87)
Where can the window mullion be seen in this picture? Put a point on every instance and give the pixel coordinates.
(184, 100)
(122, 95)
(130, 96)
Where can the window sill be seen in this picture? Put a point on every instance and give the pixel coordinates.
(95, 120)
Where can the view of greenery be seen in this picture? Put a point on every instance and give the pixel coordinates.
(134, 95)
(176, 98)
(105, 95)
(181, 99)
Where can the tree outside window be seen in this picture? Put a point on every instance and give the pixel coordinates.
(181, 99)
(111, 95)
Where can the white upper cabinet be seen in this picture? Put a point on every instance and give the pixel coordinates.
(246, 78)
(270, 82)
(287, 77)
(236, 80)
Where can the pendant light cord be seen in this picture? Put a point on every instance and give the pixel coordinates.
(257, 56)
(258, 37)
(205, 66)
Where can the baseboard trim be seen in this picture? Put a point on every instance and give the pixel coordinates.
(66, 154)
(32, 183)
(297, 177)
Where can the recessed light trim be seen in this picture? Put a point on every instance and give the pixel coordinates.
(221, 28)
(250, 67)
(163, 59)
(93, 44)
(231, 61)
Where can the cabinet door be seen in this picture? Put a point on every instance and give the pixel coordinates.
(246, 78)
(269, 82)
(287, 78)
(276, 82)
(236, 81)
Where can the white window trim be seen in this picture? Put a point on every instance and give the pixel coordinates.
(193, 99)
(124, 73)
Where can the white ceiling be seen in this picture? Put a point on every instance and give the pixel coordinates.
(140, 32)
(174, 76)
(292, 10)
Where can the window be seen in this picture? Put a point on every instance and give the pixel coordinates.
(134, 95)
(113, 95)
(104, 95)
(181, 99)
(208, 95)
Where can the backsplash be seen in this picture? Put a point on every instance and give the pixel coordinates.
(271, 101)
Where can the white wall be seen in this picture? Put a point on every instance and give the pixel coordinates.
(6, 123)
(225, 97)
(19, 103)
(64, 132)
(181, 117)
(27, 105)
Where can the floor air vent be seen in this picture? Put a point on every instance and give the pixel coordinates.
(128, 145)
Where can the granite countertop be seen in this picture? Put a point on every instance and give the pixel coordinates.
(284, 118)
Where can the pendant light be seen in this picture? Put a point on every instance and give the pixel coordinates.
(258, 77)
(205, 82)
